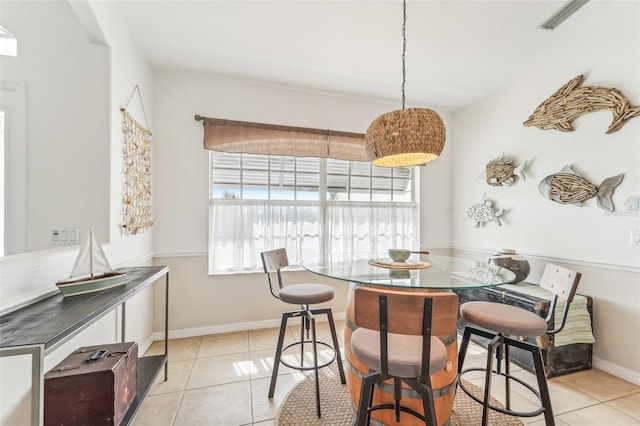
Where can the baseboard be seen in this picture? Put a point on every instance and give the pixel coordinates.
(230, 328)
(616, 370)
(144, 346)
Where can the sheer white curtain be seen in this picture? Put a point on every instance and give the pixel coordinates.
(241, 229)
(370, 226)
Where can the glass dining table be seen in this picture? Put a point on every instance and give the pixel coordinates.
(422, 274)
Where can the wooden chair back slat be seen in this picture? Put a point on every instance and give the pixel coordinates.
(405, 311)
(274, 260)
(561, 281)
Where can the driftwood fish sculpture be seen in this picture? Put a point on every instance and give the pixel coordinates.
(568, 187)
(484, 212)
(501, 172)
(571, 101)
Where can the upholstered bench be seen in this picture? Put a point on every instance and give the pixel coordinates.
(566, 352)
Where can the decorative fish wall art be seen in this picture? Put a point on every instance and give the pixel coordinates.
(501, 172)
(571, 101)
(568, 187)
(484, 212)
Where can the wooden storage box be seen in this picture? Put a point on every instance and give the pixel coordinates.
(94, 386)
(558, 360)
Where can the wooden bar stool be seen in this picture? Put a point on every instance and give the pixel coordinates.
(497, 321)
(304, 295)
(394, 341)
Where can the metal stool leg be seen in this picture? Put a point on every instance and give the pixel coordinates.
(363, 415)
(276, 361)
(491, 349)
(507, 377)
(397, 396)
(428, 404)
(336, 346)
(542, 387)
(315, 361)
(303, 325)
(464, 344)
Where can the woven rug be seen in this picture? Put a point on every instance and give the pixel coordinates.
(299, 406)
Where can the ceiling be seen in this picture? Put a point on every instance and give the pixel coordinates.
(457, 51)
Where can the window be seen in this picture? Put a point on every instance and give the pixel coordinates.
(308, 205)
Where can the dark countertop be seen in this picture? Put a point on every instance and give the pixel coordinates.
(50, 320)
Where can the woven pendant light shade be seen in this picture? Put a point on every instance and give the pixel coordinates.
(406, 137)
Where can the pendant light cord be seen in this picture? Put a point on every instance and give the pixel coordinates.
(404, 46)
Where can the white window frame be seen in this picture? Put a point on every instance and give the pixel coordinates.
(322, 203)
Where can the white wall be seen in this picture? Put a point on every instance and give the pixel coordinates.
(128, 69)
(26, 276)
(67, 82)
(604, 45)
(202, 303)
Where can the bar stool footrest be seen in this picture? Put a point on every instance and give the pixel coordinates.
(506, 411)
(310, 367)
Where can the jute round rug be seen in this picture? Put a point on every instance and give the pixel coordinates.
(299, 406)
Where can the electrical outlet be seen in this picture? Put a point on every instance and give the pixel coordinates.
(65, 236)
(633, 203)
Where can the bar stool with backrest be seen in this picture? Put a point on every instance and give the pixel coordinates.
(394, 341)
(497, 321)
(304, 295)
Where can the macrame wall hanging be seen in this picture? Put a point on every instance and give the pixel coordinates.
(136, 182)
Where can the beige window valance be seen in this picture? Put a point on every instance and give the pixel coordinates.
(258, 138)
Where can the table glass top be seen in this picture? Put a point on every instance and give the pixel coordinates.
(443, 272)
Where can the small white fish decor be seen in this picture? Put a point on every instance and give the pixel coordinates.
(501, 172)
(484, 212)
(570, 102)
(568, 187)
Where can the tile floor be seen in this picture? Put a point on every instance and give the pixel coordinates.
(224, 380)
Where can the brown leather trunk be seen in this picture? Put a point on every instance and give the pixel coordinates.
(95, 385)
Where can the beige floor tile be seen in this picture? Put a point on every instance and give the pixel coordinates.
(518, 401)
(218, 370)
(265, 408)
(158, 410)
(262, 361)
(178, 375)
(223, 344)
(475, 360)
(267, 338)
(262, 364)
(599, 385)
(223, 405)
(628, 404)
(227, 379)
(564, 397)
(179, 349)
(530, 422)
(601, 414)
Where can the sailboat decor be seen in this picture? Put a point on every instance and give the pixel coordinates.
(92, 271)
